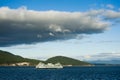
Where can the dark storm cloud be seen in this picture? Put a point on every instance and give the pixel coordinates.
(22, 26)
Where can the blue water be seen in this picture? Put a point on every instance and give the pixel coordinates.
(71, 73)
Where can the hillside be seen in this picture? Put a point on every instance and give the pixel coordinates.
(66, 61)
(9, 58)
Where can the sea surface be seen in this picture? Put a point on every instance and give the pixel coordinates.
(67, 73)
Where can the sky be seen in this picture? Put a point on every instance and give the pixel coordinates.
(40, 29)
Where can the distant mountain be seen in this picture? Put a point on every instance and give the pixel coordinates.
(66, 61)
(9, 58)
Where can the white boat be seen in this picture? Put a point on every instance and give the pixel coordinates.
(49, 65)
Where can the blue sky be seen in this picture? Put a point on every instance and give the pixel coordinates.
(64, 5)
(80, 43)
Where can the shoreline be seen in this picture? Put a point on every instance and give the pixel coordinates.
(63, 66)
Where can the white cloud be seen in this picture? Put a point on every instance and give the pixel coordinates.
(110, 14)
(102, 56)
(51, 34)
(110, 6)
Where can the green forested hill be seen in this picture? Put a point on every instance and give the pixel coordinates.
(66, 61)
(9, 58)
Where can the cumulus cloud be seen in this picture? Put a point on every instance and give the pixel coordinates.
(110, 14)
(23, 26)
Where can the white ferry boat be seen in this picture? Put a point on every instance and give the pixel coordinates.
(49, 65)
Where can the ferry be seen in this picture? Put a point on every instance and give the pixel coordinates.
(49, 65)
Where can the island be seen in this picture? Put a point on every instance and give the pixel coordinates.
(9, 59)
(67, 61)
